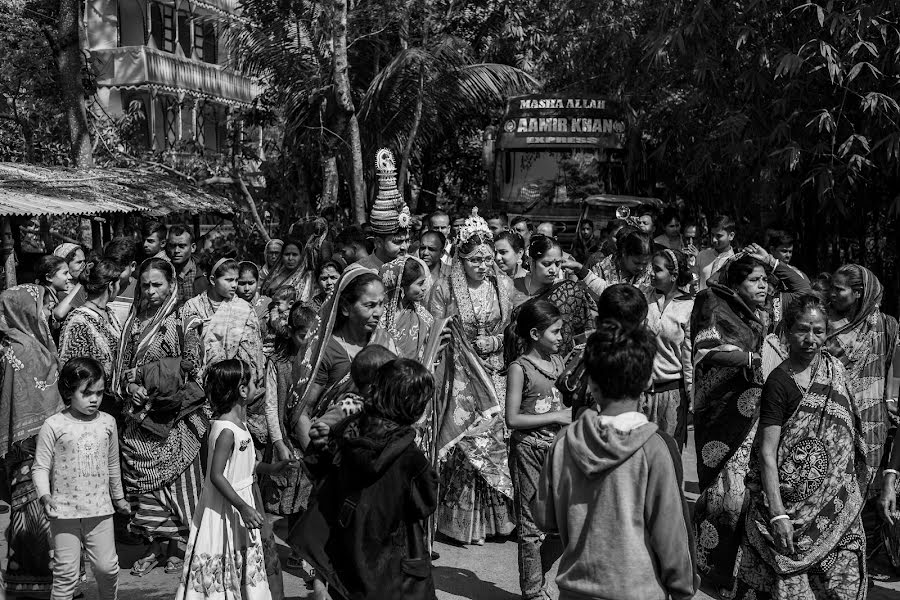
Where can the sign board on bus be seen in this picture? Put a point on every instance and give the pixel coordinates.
(556, 120)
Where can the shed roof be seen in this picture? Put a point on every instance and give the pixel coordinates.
(29, 190)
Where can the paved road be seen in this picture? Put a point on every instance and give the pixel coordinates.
(488, 572)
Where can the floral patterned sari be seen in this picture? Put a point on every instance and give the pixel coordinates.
(822, 475)
(726, 412)
(28, 395)
(476, 489)
(407, 327)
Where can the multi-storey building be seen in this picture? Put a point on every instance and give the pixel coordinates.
(168, 55)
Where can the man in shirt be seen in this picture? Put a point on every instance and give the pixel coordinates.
(180, 248)
(154, 235)
(440, 221)
(710, 260)
(780, 245)
(389, 220)
(350, 244)
(123, 250)
(497, 223)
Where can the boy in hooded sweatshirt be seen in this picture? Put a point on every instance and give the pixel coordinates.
(611, 485)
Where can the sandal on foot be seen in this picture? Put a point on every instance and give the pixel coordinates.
(174, 565)
(142, 566)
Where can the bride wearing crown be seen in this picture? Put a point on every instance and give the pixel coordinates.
(476, 490)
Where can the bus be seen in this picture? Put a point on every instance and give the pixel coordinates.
(560, 158)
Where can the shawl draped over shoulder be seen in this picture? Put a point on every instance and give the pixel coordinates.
(866, 347)
(726, 399)
(29, 392)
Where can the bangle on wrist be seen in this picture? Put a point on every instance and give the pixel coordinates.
(778, 518)
(890, 471)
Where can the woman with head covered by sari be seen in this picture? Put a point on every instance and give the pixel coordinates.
(807, 484)
(346, 325)
(476, 490)
(865, 341)
(166, 417)
(406, 323)
(727, 326)
(28, 396)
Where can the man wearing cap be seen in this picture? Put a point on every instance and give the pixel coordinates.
(389, 218)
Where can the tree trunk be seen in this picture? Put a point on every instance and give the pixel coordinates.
(329, 182)
(68, 59)
(410, 141)
(345, 105)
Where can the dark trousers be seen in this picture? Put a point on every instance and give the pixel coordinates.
(537, 552)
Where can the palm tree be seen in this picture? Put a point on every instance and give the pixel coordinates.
(424, 92)
(409, 104)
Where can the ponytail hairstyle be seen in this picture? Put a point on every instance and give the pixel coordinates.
(96, 277)
(48, 266)
(223, 384)
(537, 314)
(619, 359)
(676, 263)
(77, 372)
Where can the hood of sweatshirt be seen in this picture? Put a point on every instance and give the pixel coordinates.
(597, 447)
(379, 444)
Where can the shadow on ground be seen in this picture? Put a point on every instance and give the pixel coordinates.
(466, 584)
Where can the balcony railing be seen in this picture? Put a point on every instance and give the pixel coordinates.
(141, 66)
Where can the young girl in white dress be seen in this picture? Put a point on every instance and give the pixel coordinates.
(231, 549)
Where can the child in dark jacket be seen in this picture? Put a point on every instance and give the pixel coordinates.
(611, 485)
(364, 531)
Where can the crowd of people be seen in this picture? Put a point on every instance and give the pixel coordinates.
(467, 378)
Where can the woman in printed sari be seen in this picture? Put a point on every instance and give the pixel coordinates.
(326, 278)
(865, 341)
(572, 298)
(630, 263)
(92, 329)
(807, 483)
(226, 326)
(476, 490)
(28, 396)
(166, 419)
(223, 326)
(248, 290)
(271, 257)
(288, 271)
(346, 325)
(406, 322)
(76, 260)
(727, 326)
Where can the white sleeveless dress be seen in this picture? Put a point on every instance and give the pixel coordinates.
(224, 559)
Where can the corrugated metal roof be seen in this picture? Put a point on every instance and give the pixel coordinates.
(28, 190)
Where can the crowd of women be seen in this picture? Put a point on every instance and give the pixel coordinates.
(790, 381)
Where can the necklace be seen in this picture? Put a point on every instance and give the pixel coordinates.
(481, 303)
(812, 375)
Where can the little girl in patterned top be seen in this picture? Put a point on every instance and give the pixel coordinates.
(76, 475)
(534, 413)
(231, 549)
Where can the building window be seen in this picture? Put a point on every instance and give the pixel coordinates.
(184, 33)
(162, 26)
(205, 44)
